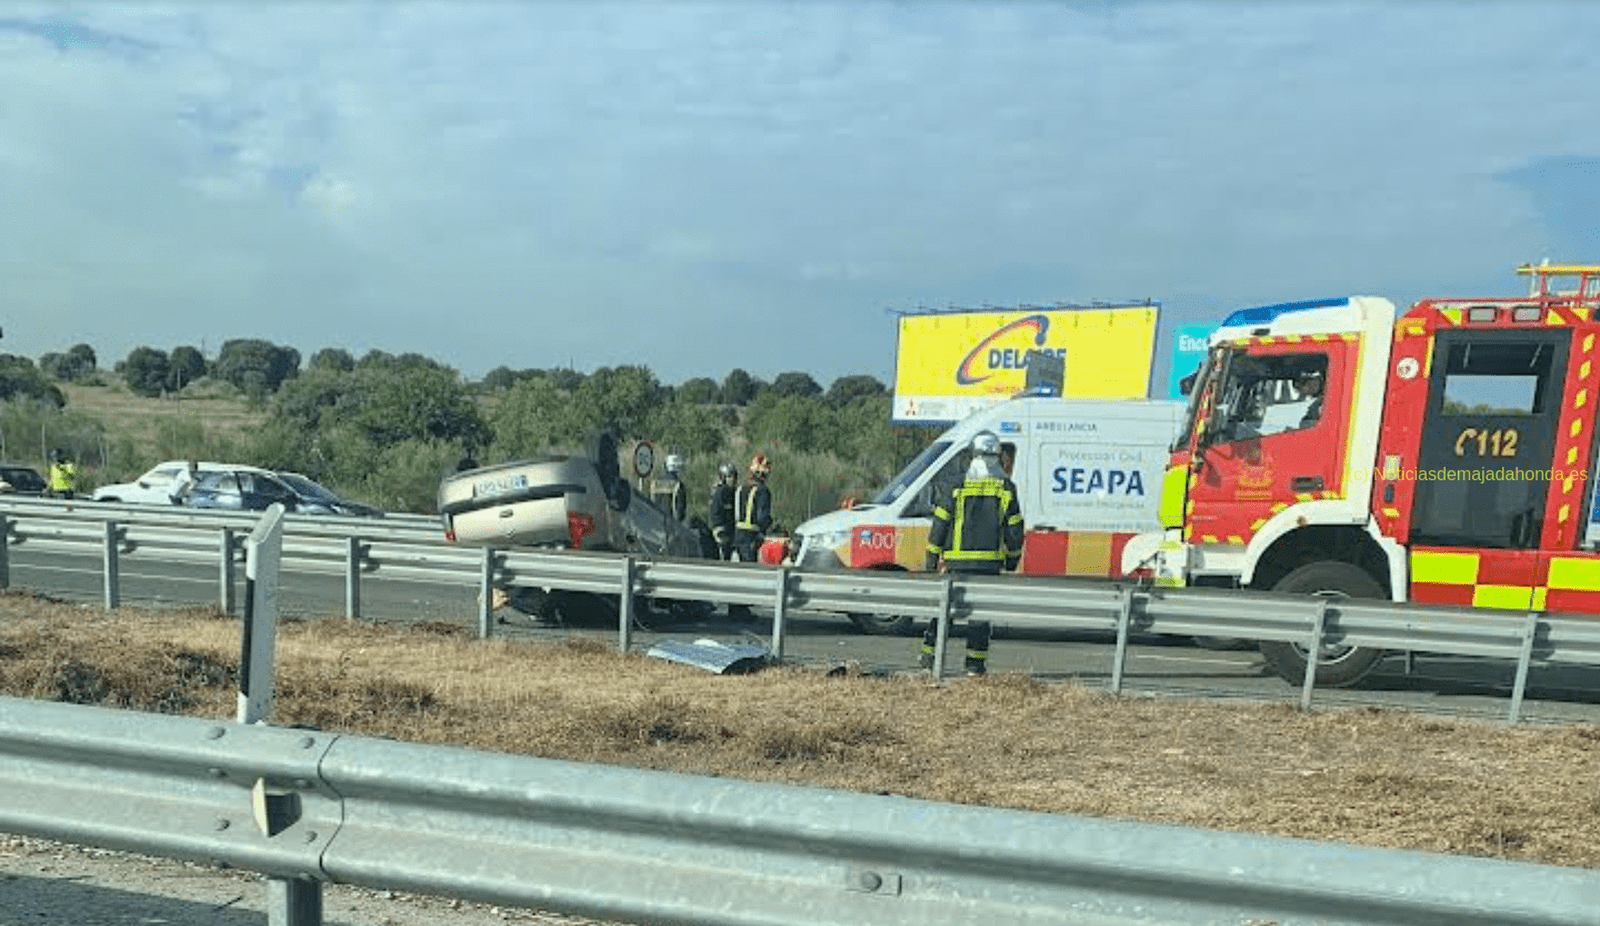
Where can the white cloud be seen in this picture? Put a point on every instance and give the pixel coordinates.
(766, 176)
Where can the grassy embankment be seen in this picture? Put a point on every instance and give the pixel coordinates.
(1365, 776)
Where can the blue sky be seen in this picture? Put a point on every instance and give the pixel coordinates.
(762, 184)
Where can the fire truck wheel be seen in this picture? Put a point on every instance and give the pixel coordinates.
(1337, 666)
(899, 625)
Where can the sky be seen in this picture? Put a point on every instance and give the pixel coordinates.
(764, 185)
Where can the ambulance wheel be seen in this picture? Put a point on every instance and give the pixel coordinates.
(897, 625)
(1338, 666)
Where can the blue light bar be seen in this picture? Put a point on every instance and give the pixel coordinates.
(1265, 315)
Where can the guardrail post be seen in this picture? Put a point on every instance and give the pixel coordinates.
(294, 902)
(486, 594)
(1313, 654)
(225, 572)
(942, 634)
(1121, 655)
(1529, 631)
(625, 607)
(111, 589)
(5, 551)
(780, 608)
(290, 901)
(352, 578)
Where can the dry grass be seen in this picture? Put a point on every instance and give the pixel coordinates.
(1367, 776)
(150, 423)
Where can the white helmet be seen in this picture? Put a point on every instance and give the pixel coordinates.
(674, 463)
(985, 457)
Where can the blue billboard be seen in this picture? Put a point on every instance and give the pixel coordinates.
(1188, 349)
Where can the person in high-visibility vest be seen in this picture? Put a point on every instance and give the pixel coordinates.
(752, 512)
(669, 492)
(977, 530)
(722, 519)
(63, 474)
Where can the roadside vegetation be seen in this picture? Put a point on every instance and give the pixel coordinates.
(384, 428)
(1366, 776)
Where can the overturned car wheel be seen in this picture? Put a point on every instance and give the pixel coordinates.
(901, 625)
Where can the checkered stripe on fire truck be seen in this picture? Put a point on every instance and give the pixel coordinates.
(1501, 579)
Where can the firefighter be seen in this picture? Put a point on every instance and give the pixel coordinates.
(63, 474)
(976, 530)
(1308, 385)
(669, 491)
(722, 520)
(753, 515)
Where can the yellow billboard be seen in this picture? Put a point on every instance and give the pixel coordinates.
(950, 364)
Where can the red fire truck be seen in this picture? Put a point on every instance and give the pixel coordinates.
(1443, 457)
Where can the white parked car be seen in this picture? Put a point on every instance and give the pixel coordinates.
(160, 484)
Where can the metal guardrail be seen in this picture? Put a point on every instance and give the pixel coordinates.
(363, 548)
(662, 848)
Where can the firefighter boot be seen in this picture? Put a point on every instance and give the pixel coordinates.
(930, 637)
(977, 647)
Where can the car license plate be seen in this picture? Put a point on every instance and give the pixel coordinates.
(505, 485)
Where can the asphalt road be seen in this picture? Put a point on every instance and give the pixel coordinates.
(1155, 665)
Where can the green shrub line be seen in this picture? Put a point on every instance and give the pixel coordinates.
(385, 429)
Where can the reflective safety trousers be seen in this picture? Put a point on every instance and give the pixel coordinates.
(978, 529)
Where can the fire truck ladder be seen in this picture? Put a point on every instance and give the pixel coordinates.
(1541, 286)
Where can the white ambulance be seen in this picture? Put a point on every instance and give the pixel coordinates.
(1088, 473)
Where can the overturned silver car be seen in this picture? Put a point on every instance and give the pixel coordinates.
(578, 502)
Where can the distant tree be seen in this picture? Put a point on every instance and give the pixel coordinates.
(255, 366)
(411, 360)
(847, 389)
(624, 396)
(499, 379)
(185, 365)
(532, 417)
(375, 358)
(417, 402)
(20, 379)
(146, 371)
(691, 428)
(332, 358)
(385, 406)
(738, 387)
(702, 390)
(796, 384)
(84, 356)
(76, 364)
(791, 421)
(565, 378)
(56, 364)
(866, 436)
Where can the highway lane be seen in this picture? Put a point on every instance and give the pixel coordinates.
(1155, 665)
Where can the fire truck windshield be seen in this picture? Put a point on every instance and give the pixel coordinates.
(1196, 383)
(1263, 395)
